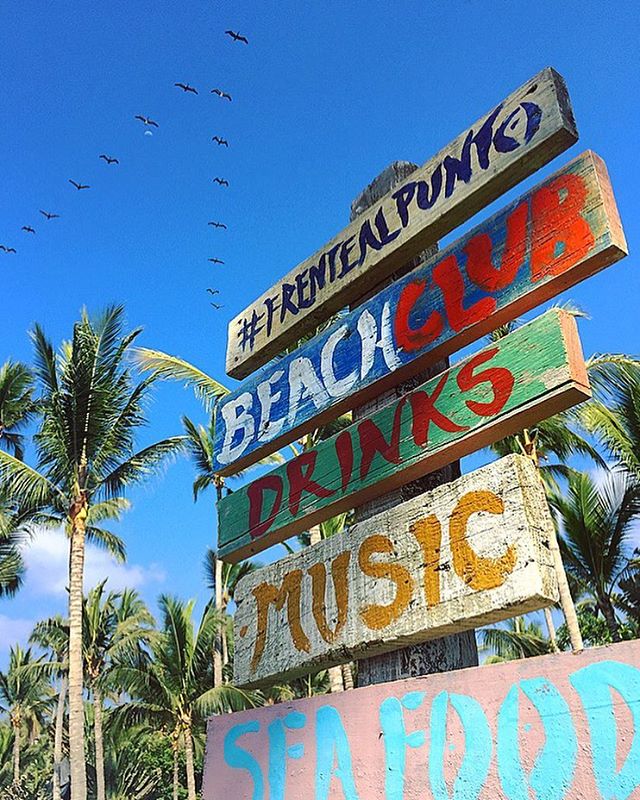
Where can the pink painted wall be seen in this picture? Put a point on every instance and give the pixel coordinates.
(550, 728)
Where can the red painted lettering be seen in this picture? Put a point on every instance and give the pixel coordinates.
(299, 472)
(447, 275)
(500, 378)
(255, 493)
(425, 412)
(408, 338)
(558, 207)
(479, 253)
(372, 441)
(344, 451)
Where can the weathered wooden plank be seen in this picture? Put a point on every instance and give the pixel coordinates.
(468, 553)
(561, 232)
(525, 131)
(557, 727)
(535, 371)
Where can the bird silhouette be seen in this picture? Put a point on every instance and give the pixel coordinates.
(221, 181)
(6, 249)
(220, 141)
(79, 185)
(217, 225)
(216, 305)
(237, 37)
(48, 215)
(28, 229)
(147, 120)
(109, 159)
(186, 88)
(220, 93)
(215, 261)
(213, 291)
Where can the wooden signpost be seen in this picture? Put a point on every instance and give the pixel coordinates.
(561, 232)
(519, 135)
(421, 569)
(468, 553)
(558, 727)
(534, 372)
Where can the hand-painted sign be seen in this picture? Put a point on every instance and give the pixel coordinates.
(536, 371)
(558, 727)
(518, 136)
(467, 553)
(564, 230)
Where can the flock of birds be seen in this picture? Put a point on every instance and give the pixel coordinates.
(150, 123)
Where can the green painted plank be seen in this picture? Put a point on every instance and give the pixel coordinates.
(534, 372)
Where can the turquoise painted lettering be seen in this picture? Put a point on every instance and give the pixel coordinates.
(278, 751)
(396, 741)
(333, 749)
(478, 747)
(555, 765)
(237, 758)
(594, 684)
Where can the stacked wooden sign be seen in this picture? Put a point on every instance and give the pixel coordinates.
(473, 551)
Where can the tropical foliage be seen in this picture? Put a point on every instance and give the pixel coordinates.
(115, 700)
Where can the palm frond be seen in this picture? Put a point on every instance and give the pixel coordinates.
(167, 367)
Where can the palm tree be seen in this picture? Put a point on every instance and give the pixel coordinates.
(52, 635)
(222, 579)
(596, 522)
(614, 418)
(174, 691)
(114, 627)
(17, 406)
(519, 638)
(200, 441)
(25, 696)
(91, 411)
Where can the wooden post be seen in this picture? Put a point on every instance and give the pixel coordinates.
(451, 652)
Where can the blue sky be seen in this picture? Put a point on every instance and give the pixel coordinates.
(324, 97)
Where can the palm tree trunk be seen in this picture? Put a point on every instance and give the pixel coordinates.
(566, 601)
(97, 729)
(78, 772)
(57, 738)
(16, 752)
(176, 776)
(219, 637)
(191, 775)
(606, 606)
(551, 630)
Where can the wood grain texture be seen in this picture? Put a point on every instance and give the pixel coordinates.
(559, 233)
(525, 131)
(533, 373)
(469, 553)
(557, 727)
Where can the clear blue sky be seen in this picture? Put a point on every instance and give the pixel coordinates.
(324, 97)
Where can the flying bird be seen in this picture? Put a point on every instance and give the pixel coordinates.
(79, 185)
(109, 159)
(237, 37)
(216, 305)
(213, 291)
(6, 249)
(221, 181)
(48, 215)
(28, 229)
(215, 261)
(221, 94)
(220, 141)
(217, 225)
(147, 120)
(186, 88)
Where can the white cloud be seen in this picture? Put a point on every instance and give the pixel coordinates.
(47, 559)
(14, 630)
